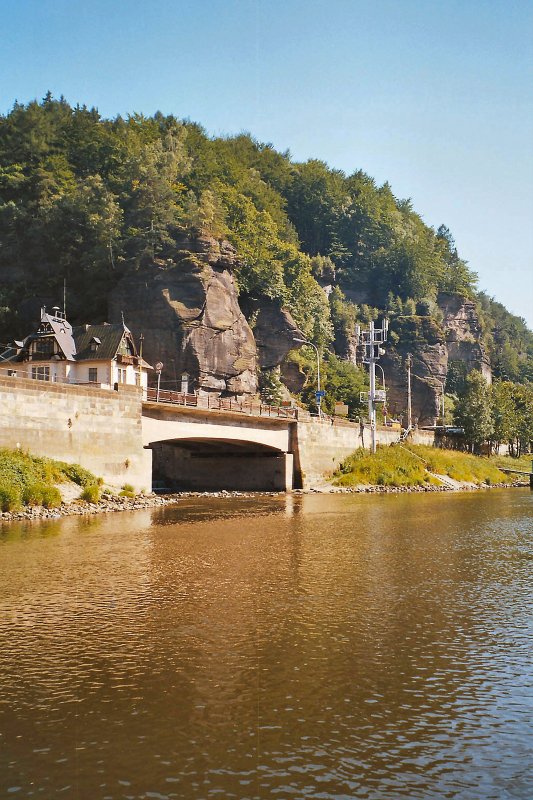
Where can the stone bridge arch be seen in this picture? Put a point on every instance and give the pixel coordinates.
(198, 451)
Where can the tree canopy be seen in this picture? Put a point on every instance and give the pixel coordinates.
(87, 199)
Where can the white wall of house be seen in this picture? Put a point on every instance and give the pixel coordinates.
(130, 374)
(102, 373)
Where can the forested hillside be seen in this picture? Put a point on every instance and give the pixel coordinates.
(89, 200)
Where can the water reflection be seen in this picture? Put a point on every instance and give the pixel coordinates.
(308, 646)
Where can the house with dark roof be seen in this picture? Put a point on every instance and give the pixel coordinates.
(104, 355)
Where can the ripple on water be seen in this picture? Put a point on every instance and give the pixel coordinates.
(329, 647)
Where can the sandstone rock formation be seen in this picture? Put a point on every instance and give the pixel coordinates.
(425, 341)
(463, 333)
(190, 319)
(433, 347)
(274, 331)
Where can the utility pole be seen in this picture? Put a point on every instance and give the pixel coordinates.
(370, 341)
(372, 393)
(409, 362)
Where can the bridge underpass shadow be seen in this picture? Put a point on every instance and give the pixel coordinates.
(214, 464)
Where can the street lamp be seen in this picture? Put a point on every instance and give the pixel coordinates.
(158, 369)
(318, 389)
(383, 376)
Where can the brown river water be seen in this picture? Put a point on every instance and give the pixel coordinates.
(318, 646)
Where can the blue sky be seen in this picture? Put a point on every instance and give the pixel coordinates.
(435, 96)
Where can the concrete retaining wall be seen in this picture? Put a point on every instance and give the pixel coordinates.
(320, 447)
(97, 428)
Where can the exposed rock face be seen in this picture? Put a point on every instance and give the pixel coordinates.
(274, 330)
(432, 348)
(463, 333)
(424, 340)
(293, 377)
(345, 346)
(191, 320)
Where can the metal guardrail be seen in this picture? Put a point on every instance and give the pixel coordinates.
(249, 407)
(209, 403)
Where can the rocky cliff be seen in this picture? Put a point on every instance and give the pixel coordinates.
(424, 340)
(433, 347)
(190, 318)
(464, 335)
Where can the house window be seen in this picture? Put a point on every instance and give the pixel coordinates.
(44, 346)
(40, 373)
(93, 375)
(137, 377)
(121, 375)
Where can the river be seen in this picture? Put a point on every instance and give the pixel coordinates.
(316, 646)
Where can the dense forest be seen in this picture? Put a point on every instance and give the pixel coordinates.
(88, 199)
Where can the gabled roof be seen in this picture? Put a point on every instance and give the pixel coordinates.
(62, 332)
(75, 343)
(110, 337)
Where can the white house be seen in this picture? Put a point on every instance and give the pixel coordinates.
(103, 355)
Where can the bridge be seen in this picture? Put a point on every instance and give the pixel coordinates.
(185, 442)
(197, 449)
(204, 444)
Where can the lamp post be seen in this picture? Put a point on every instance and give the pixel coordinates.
(382, 376)
(158, 369)
(318, 389)
(409, 364)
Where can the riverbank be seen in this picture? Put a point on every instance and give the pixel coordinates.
(408, 467)
(330, 488)
(112, 503)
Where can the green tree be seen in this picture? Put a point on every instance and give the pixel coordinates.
(473, 411)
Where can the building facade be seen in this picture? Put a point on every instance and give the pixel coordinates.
(102, 355)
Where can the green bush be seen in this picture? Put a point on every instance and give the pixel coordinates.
(390, 466)
(32, 494)
(29, 480)
(10, 498)
(411, 465)
(127, 491)
(78, 474)
(91, 493)
(51, 497)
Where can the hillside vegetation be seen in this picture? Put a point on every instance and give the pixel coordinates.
(88, 199)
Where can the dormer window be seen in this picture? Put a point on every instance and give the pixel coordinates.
(94, 344)
(44, 347)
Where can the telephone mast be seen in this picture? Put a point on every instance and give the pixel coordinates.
(409, 364)
(371, 342)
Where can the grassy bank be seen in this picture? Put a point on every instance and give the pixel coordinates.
(413, 465)
(27, 480)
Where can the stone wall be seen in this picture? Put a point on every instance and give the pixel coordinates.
(100, 429)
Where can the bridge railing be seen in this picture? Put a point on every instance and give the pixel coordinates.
(251, 407)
